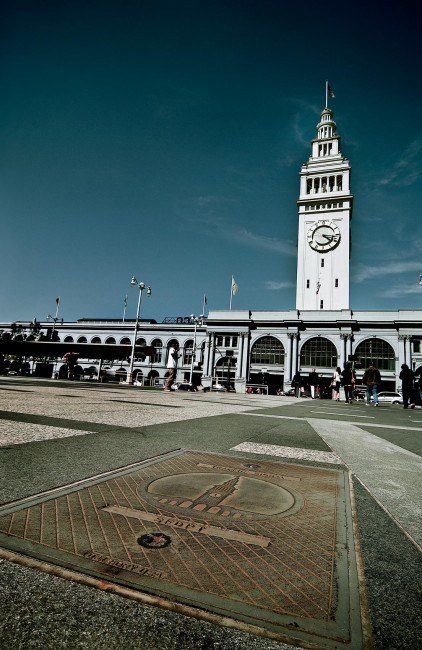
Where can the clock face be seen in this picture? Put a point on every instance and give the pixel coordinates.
(323, 236)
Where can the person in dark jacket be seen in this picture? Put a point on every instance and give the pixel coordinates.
(407, 378)
(372, 379)
(297, 384)
(346, 380)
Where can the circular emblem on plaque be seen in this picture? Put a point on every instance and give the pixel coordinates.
(220, 495)
(154, 540)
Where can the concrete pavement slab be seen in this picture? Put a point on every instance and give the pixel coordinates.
(391, 473)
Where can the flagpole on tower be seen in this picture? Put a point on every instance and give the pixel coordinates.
(326, 94)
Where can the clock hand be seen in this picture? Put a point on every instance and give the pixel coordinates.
(329, 237)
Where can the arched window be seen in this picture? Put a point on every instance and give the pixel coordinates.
(379, 352)
(267, 351)
(110, 340)
(188, 352)
(318, 353)
(158, 350)
(142, 342)
(96, 339)
(82, 339)
(125, 341)
(68, 339)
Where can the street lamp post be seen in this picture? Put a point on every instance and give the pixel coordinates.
(141, 287)
(197, 321)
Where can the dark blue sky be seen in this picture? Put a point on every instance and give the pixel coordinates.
(164, 140)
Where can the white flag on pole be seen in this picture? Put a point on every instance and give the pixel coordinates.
(235, 288)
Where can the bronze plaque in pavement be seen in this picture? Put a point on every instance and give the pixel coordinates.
(269, 545)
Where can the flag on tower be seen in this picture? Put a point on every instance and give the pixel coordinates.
(330, 90)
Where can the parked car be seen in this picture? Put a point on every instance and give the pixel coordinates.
(389, 397)
(219, 387)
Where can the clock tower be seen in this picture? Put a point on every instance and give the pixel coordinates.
(325, 211)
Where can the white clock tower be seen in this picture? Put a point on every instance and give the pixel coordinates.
(325, 211)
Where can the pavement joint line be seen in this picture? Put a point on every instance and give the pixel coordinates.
(366, 424)
(349, 415)
(264, 415)
(363, 594)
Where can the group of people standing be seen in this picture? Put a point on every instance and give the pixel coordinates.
(316, 385)
(347, 379)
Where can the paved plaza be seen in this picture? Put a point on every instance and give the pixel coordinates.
(227, 520)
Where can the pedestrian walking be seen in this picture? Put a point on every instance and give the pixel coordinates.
(371, 379)
(407, 377)
(297, 384)
(172, 362)
(335, 384)
(313, 383)
(347, 383)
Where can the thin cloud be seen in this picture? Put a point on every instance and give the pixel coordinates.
(394, 268)
(399, 291)
(406, 171)
(262, 242)
(271, 285)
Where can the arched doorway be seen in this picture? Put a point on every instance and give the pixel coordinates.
(267, 363)
(382, 355)
(121, 375)
(152, 377)
(225, 372)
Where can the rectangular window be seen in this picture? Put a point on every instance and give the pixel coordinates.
(336, 282)
(322, 262)
(321, 304)
(219, 341)
(234, 342)
(307, 284)
(416, 346)
(227, 341)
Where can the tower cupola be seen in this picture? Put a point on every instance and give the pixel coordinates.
(326, 128)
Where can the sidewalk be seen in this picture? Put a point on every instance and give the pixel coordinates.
(60, 433)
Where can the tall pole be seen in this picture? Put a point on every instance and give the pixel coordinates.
(196, 321)
(326, 94)
(132, 358)
(193, 353)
